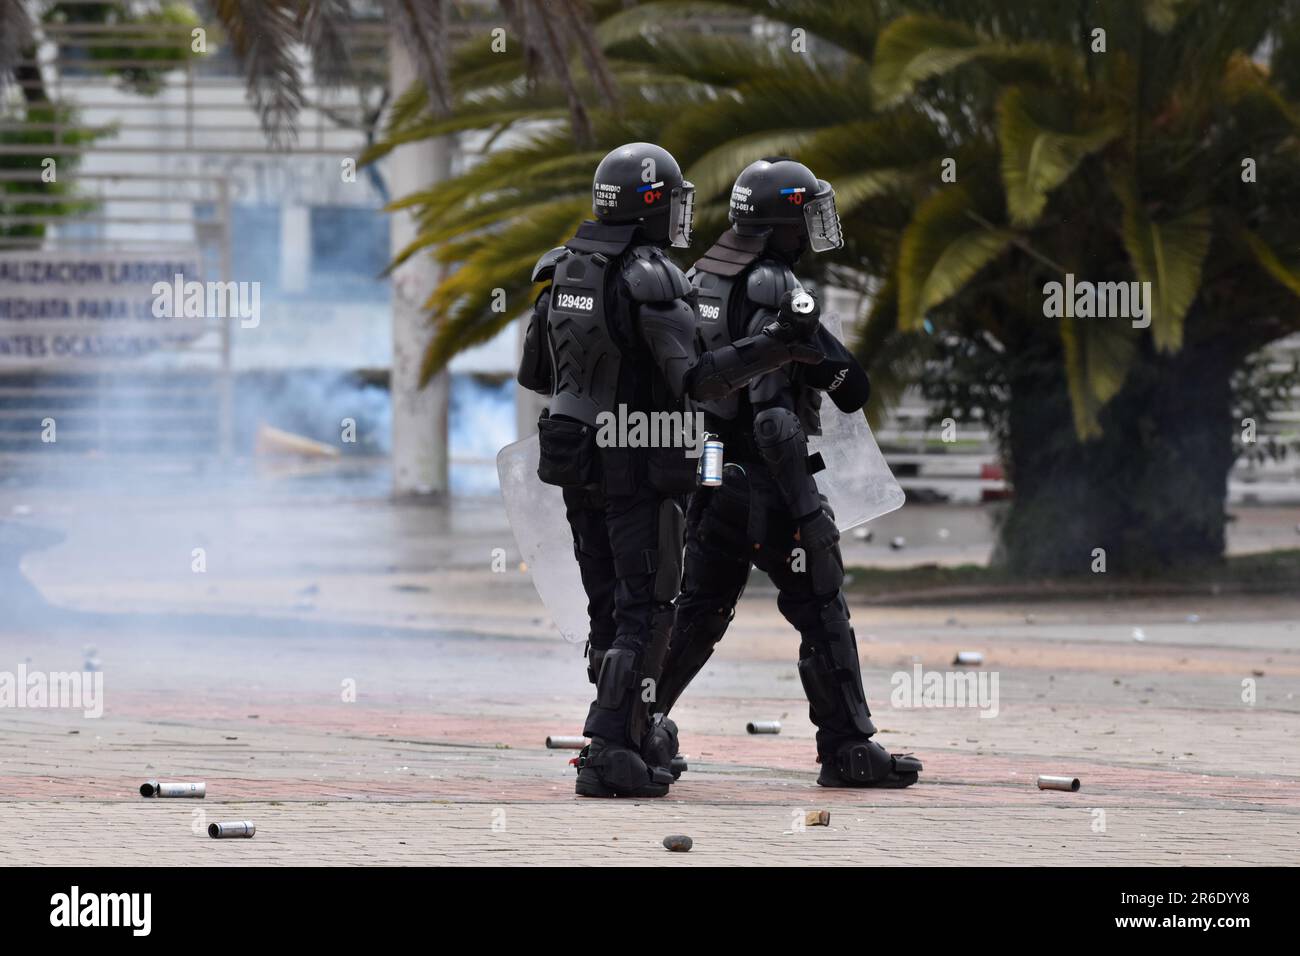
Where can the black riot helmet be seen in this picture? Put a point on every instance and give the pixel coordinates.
(641, 182)
(774, 195)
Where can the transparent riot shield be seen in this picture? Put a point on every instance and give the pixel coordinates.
(536, 513)
(857, 480)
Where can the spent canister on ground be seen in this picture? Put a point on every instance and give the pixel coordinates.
(1046, 782)
(233, 830)
(194, 791)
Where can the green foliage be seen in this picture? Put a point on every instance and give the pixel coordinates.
(129, 59)
(1116, 166)
(16, 196)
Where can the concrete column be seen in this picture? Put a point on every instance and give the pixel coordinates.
(420, 456)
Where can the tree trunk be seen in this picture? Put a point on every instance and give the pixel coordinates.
(420, 452)
(1151, 491)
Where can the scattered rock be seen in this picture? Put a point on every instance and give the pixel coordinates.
(678, 843)
(817, 818)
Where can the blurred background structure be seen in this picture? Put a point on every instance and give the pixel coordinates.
(306, 145)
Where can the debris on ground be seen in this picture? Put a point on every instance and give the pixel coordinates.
(969, 658)
(559, 742)
(763, 727)
(678, 843)
(228, 831)
(194, 791)
(1046, 782)
(274, 442)
(817, 818)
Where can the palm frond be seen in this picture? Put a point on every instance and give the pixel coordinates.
(1168, 254)
(940, 251)
(262, 35)
(1037, 159)
(422, 27)
(324, 26)
(16, 35)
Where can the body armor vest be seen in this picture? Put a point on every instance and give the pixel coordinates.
(583, 313)
(720, 279)
(715, 295)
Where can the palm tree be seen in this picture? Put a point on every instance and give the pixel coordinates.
(979, 152)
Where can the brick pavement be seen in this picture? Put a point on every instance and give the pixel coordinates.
(458, 681)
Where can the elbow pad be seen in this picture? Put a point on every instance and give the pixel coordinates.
(535, 363)
(668, 328)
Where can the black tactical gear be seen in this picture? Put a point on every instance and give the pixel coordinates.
(768, 510)
(614, 330)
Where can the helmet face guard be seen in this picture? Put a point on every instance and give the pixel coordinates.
(823, 221)
(681, 215)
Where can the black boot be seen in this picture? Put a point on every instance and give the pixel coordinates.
(609, 770)
(865, 763)
(661, 750)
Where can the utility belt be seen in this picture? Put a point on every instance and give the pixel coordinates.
(570, 458)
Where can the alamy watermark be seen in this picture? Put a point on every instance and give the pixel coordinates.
(1098, 300)
(922, 688)
(637, 429)
(179, 299)
(73, 690)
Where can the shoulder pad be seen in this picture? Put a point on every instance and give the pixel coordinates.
(653, 277)
(767, 282)
(544, 271)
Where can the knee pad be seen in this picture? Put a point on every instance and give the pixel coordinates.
(784, 447)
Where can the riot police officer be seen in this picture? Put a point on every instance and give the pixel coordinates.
(615, 330)
(768, 510)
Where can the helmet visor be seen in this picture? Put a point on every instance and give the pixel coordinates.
(681, 214)
(823, 222)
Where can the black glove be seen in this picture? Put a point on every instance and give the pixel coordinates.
(798, 316)
(797, 320)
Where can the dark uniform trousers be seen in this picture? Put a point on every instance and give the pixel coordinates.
(746, 520)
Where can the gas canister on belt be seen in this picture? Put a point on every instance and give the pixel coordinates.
(711, 463)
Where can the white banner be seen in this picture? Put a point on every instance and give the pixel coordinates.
(72, 308)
